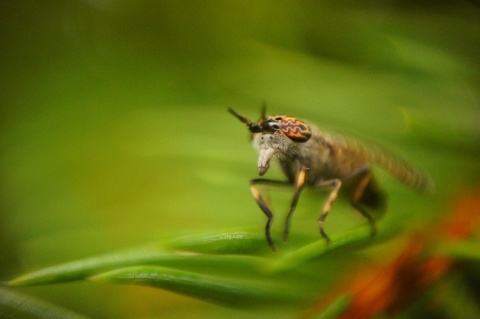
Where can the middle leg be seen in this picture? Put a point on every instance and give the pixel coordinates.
(337, 184)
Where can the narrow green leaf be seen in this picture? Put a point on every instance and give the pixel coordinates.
(355, 238)
(15, 305)
(336, 308)
(228, 292)
(235, 242)
(82, 268)
(172, 251)
(467, 250)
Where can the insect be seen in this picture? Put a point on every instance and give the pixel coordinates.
(312, 157)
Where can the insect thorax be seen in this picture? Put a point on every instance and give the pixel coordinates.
(322, 158)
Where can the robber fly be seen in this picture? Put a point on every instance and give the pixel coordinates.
(310, 156)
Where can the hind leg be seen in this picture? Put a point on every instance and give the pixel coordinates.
(363, 177)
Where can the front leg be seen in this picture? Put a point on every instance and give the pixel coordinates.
(299, 182)
(263, 206)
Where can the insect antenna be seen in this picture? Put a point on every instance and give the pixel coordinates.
(240, 117)
(253, 127)
(264, 111)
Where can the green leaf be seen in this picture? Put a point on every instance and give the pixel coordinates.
(172, 252)
(355, 238)
(205, 252)
(16, 305)
(467, 250)
(235, 242)
(225, 291)
(82, 268)
(336, 308)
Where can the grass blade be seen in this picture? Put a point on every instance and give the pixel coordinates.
(16, 305)
(228, 292)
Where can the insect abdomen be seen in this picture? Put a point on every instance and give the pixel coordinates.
(402, 171)
(396, 166)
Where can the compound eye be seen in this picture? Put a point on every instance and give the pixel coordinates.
(295, 130)
(274, 125)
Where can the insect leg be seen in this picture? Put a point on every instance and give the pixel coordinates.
(337, 184)
(263, 206)
(364, 177)
(299, 182)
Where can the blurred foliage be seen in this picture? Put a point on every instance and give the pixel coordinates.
(15, 305)
(114, 132)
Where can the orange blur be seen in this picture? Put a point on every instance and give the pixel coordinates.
(389, 288)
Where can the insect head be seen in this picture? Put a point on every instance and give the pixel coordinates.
(296, 130)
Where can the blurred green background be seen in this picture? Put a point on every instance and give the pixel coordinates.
(114, 130)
